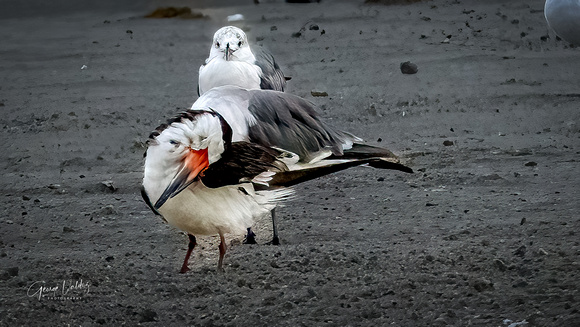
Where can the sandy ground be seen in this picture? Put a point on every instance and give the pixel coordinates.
(485, 233)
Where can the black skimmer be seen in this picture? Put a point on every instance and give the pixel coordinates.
(231, 158)
(232, 62)
(563, 16)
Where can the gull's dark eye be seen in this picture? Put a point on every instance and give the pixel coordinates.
(240, 44)
(217, 44)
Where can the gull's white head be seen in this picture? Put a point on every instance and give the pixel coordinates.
(231, 43)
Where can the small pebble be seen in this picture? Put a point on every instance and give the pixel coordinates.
(531, 164)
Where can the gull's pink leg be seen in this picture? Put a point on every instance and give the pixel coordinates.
(222, 252)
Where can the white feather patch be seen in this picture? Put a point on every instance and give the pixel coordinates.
(264, 178)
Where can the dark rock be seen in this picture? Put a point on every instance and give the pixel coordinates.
(408, 67)
(319, 94)
(448, 143)
(531, 164)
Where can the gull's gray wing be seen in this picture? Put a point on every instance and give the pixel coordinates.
(272, 76)
(291, 123)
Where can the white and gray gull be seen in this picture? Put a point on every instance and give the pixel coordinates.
(231, 61)
(230, 159)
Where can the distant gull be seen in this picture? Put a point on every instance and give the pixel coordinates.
(230, 159)
(563, 16)
(232, 62)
